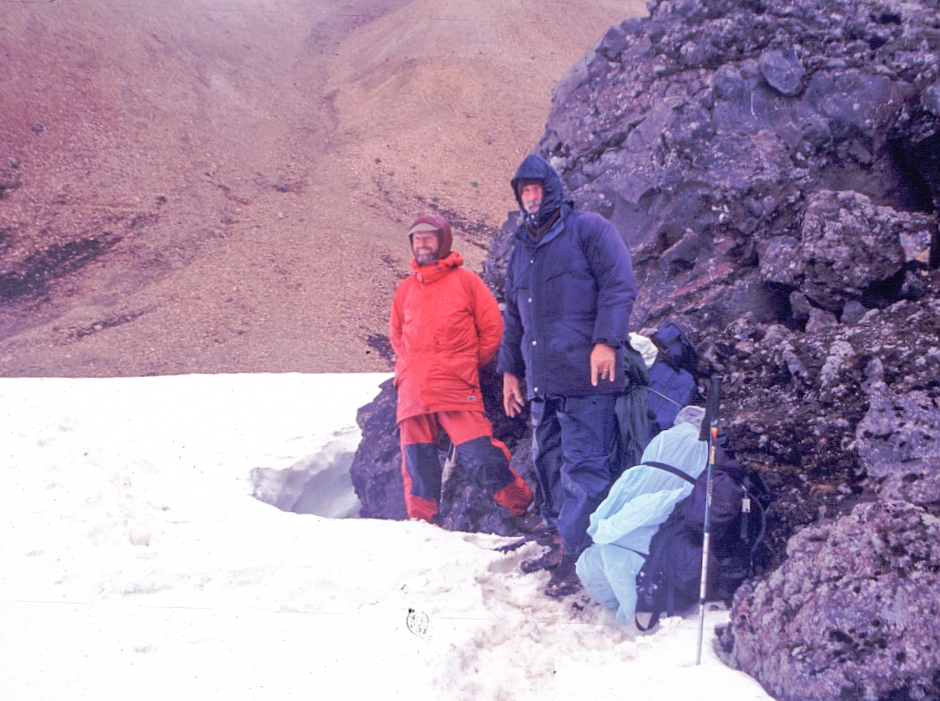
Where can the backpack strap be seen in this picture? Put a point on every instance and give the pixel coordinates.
(755, 505)
(669, 468)
(660, 559)
(668, 399)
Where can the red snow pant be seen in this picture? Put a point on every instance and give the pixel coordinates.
(484, 457)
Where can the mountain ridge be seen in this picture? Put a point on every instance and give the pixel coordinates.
(224, 188)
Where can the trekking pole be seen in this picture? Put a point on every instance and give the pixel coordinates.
(709, 432)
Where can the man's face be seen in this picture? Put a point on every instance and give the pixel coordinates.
(425, 246)
(531, 196)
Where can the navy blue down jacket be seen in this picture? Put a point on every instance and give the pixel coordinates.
(565, 292)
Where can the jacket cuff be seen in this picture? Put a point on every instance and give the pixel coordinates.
(502, 368)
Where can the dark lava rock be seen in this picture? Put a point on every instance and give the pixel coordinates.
(376, 466)
(782, 70)
(775, 169)
(899, 445)
(846, 248)
(854, 612)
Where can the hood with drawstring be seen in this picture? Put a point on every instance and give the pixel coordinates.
(434, 222)
(535, 167)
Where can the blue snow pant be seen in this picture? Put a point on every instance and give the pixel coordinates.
(571, 444)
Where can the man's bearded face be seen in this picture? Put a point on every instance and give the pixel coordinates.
(531, 197)
(425, 246)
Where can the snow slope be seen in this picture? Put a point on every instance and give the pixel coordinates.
(135, 562)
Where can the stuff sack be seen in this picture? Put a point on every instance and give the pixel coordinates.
(670, 579)
(672, 383)
(668, 391)
(675, 347)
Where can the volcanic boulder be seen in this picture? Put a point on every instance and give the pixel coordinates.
(854, 613)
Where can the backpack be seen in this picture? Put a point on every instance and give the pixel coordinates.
(670, 579)
(671, 378)
(675, 348)
(668, 391)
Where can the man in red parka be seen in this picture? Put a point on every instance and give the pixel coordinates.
(446, 325)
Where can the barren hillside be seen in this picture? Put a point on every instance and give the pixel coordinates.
(223, 187)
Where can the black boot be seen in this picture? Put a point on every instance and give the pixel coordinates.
(564, 580)
(548, 560)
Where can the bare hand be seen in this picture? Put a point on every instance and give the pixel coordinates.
(603, 364)
(513, 401)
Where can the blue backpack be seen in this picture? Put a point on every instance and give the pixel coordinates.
(671, 378)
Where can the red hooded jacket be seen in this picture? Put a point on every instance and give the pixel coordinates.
(445, 325)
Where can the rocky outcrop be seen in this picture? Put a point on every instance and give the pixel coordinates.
(854, 612)
(775, 168)
(376, 466)
(897, 445)
(846, 249)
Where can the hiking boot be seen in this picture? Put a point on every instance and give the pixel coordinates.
(549, 560)
(529, 523)
(564, 580)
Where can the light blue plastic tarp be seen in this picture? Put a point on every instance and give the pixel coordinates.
(625, 522)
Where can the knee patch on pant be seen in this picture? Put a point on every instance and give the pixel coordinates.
(487, 463)
(423, 466)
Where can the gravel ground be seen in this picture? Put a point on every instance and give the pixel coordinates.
(226, 189)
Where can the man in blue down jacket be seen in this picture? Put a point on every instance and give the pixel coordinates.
(569, 294)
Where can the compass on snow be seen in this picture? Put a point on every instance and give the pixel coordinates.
(417, 622)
